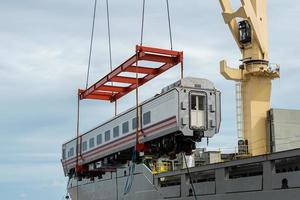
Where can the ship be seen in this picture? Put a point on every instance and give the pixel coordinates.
(150, 151)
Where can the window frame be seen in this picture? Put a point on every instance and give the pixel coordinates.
(84, 146)
(125, 124)
(116, 131)
(145, 116)
(71, 152)
(198, 102)
(133, 123)
(92, 142)
(64, 154)
(107, 133)
(97, 139)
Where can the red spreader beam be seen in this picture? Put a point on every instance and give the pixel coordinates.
(108, 87)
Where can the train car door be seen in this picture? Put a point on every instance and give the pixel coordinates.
(197, 111)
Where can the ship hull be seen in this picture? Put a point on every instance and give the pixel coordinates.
(278, 179)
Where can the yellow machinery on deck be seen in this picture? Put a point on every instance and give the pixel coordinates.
(158, 165)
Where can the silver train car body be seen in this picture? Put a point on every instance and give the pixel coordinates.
(190, 106)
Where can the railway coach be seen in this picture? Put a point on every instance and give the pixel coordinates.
(170, 122)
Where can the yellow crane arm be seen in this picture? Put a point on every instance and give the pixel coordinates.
(248, 25)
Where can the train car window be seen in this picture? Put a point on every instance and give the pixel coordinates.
(197, 102)
(71, 152)
(84, 146)
(125, 127)
(147, 118)
(64, 154)
(99, 139)
(201, 102)
(134, 123)
(116, 131)
(92, 142)
(107, 135)
(193, 102)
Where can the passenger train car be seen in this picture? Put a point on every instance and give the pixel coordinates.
(171, 121)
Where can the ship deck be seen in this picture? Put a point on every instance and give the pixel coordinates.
(274, 176)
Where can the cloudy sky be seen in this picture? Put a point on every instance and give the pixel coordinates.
(43, 61)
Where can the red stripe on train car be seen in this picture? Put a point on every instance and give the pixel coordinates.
(148, 131)
(131, 138)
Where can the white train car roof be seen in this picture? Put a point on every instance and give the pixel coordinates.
(187, 82)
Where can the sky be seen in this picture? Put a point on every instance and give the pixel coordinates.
(43, 61)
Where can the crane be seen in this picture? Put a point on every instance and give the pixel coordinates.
(248, 25)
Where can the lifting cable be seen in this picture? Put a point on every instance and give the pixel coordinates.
(134, 159)
(91, 45)
(86, 87)
(143, 19)
(169, 22)
(141, 44)
(87, 79)
(109, 45)
(170, 36)
(108, 33)
(170, 30)
(77, 146)
(137, 85)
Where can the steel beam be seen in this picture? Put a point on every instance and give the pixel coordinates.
(163, 58)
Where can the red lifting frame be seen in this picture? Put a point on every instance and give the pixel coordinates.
(104, 90)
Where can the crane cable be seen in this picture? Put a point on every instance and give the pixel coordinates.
(130, 177)
(141, 44)
(86, 87)
(87, 79)
(77, 146)
(91, 45)
(143, 20)
(109, 35)
(137, 81)
(170, 36)
(109, 45)
(134, 159)
(110, 65)
(169, 22)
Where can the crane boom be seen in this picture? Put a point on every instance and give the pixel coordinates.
(248, 25)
